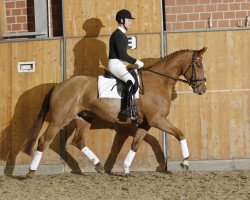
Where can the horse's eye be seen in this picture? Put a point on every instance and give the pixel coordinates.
(200, 66)
(199, 63)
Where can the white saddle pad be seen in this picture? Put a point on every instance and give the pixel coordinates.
(107, 88)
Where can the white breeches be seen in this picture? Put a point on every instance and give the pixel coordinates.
(117, 68)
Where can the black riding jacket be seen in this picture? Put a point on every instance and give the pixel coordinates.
(118, 44)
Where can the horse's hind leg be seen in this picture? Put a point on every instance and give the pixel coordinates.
(82, 128)
(43, 143)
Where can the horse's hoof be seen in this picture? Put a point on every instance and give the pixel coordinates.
(126, 169)
(31, 174)
(99, 168)
(185, 165)
(162, 168)
(127, 175)
(108, 171)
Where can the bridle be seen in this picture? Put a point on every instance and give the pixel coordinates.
(193, 79)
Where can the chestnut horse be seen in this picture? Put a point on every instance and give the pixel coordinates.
(79, 94)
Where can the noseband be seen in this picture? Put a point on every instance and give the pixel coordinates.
(192, 81)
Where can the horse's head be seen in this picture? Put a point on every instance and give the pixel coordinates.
(194, 72)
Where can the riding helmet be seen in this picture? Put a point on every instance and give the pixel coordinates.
(122, 14)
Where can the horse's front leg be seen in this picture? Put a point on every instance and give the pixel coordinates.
(139, 136)
(164, 125)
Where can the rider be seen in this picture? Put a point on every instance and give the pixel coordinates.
(118, 44)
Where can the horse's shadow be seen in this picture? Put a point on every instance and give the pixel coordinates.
(91, 47)
(27, 108)
(122, 133)
(15, 133)
(13, 136)
(121, 136)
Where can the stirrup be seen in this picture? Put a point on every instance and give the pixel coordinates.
(124, 114)
(134, 114)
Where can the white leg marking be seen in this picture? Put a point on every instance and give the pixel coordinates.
(184, 148)
(36, 160)
(128, 160)
(90, 155)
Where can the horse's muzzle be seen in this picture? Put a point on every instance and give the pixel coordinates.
(200, 90)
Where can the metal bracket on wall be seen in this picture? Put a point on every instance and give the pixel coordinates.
(239, 24)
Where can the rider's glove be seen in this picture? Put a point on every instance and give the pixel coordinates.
(139, 63)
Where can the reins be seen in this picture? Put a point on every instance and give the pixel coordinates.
(190, 82)
(152, 71)
(176, 79)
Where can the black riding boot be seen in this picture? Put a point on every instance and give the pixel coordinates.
(126, 101)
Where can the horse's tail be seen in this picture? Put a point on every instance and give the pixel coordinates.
(35, 129)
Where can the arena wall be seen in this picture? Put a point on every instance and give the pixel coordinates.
(216, 124)
(22, 94)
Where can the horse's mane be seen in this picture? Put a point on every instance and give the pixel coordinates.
(169, 56)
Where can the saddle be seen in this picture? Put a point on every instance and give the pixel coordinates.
(120, 84)
(133, 114)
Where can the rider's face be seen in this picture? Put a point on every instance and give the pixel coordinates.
(127, 23)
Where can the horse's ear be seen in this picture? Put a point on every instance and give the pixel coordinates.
(201, 51)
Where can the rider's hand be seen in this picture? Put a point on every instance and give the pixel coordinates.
(139, 63)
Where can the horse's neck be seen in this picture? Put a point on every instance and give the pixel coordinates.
(172, 66)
